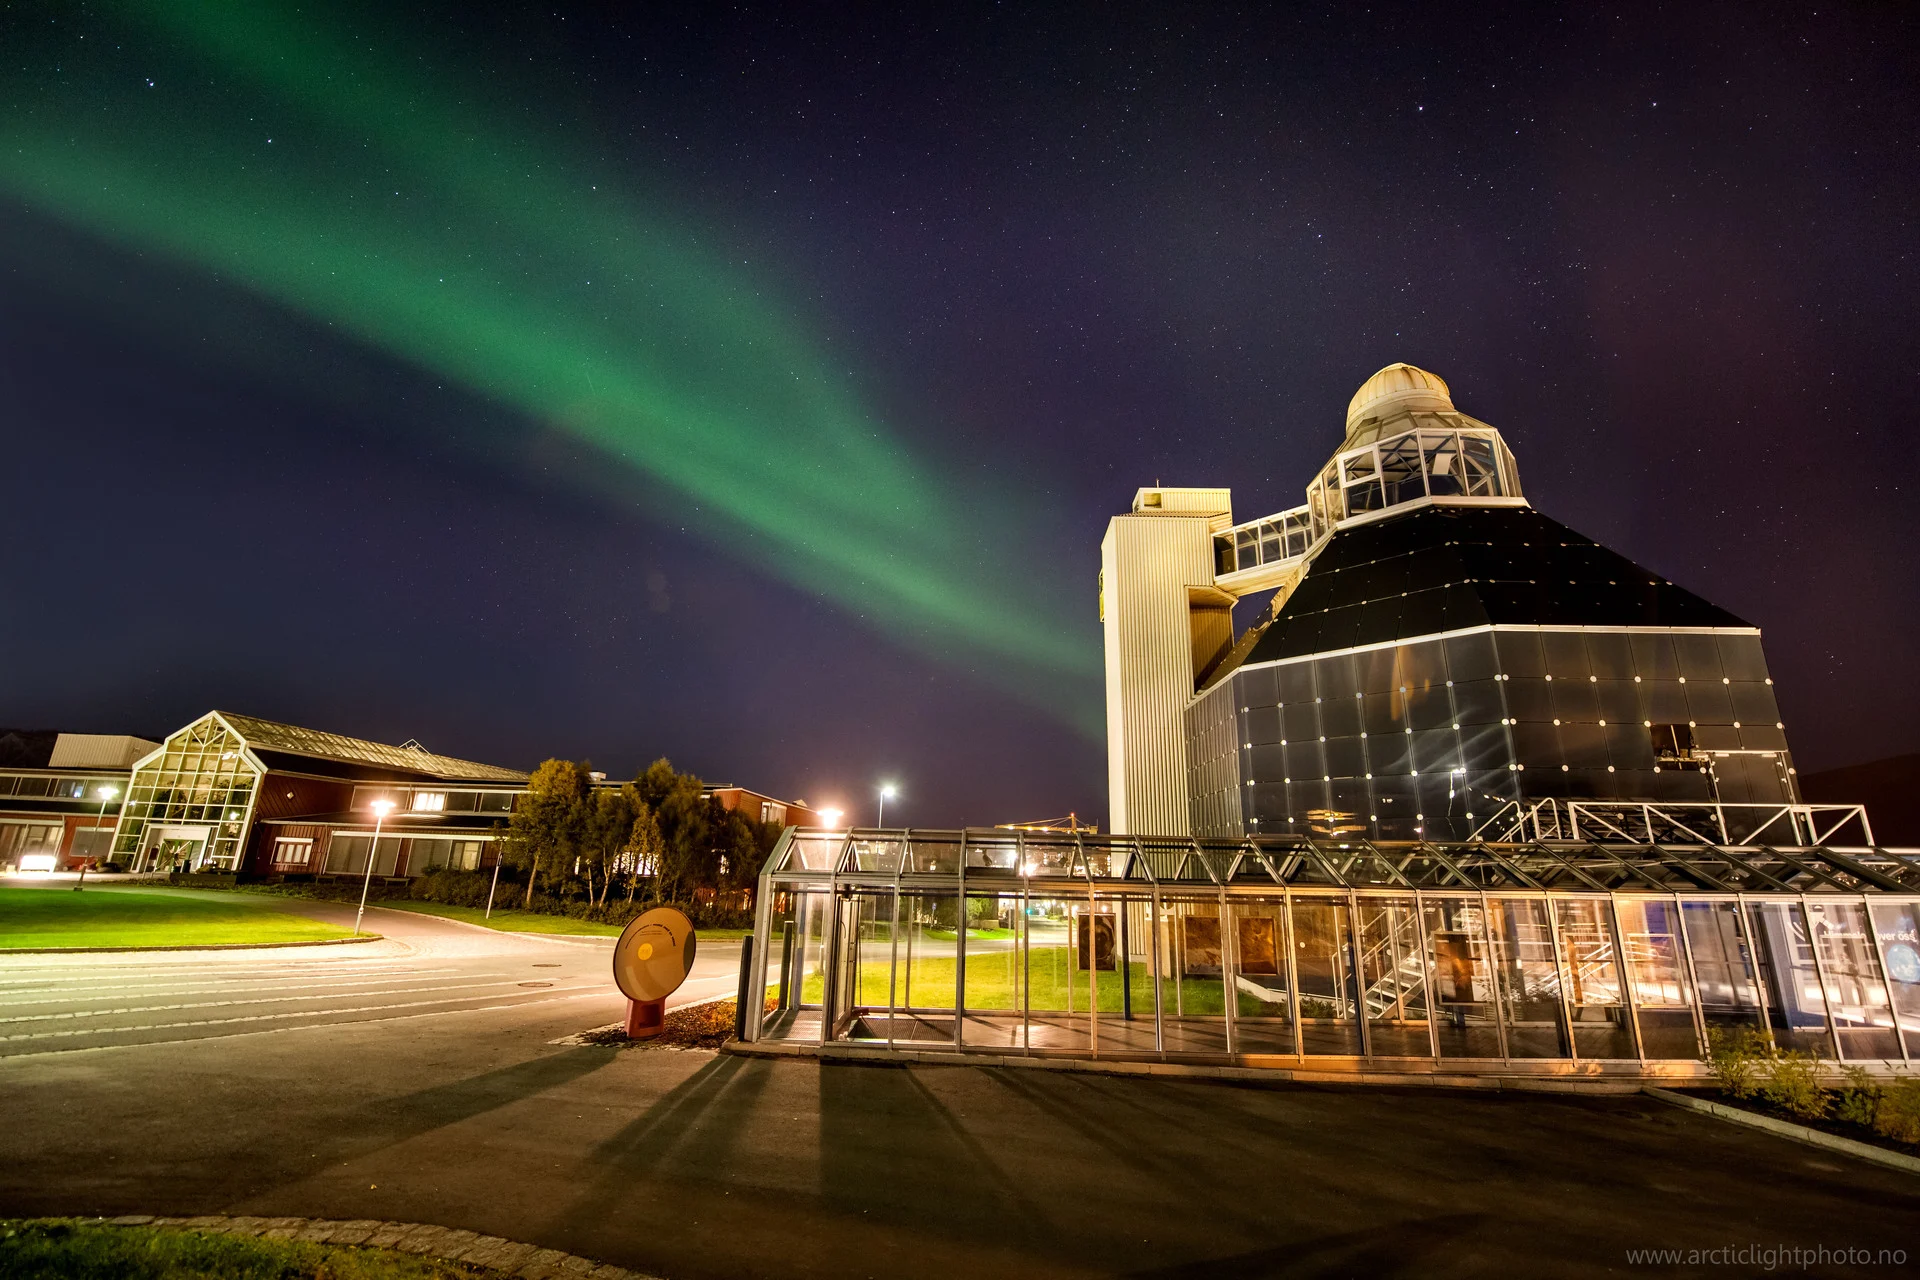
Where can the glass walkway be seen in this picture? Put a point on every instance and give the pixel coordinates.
(1538, 958)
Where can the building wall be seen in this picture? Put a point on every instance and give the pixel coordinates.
(1213, 763)
(285, 795)
(1147, 565)
(1428, 737)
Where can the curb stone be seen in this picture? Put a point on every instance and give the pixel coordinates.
(1147, 1070)
(1798, 1133)
(198, 946)
(448, 1244)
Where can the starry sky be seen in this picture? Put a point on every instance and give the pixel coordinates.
(751, 385)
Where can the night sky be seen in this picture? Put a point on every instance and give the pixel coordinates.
(753, 386)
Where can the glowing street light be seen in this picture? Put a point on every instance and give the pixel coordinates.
(887, 792)
(831, 817)
(381, 808)
(105, 794)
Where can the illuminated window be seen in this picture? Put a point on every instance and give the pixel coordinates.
(429, 801)
(292, 853)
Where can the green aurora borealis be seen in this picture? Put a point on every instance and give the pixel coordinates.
(410, 208)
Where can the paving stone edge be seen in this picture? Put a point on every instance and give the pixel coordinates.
(448, 1244)
(1275, 1076)
(1799, 1133)
(198, 946)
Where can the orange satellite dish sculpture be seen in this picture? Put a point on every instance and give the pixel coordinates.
(651, 960)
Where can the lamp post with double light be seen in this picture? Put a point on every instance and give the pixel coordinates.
(105, 794)
(381, 808)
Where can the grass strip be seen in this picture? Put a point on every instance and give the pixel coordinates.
(70, 1249)
(141, 917)
(512, 920)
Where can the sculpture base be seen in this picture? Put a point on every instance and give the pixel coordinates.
(646, 1018)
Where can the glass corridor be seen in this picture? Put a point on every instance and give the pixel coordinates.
(1574, 958)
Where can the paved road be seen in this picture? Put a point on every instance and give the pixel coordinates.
(692, 1165)
(423, 968)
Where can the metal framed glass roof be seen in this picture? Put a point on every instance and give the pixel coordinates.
(268, 735)
(871, 856)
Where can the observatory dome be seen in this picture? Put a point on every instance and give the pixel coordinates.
(1394, 390)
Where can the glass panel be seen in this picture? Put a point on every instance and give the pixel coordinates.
(1649, 934)
(1056, 984)
(1794, 1003)
(1856, 995)
(1722, 966)
(1193, 1000)
(795, 966)
(1601, 1028)
(1326, 968)
(1894, 926)
(1131, 1027)
(1442, 456)
(927, 968)
(866, 946)
(1529, 978)
(995, 990)
(1463, 991)
(1262, 1021)
(1393, 969)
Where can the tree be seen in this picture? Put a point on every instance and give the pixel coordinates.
(547, 828)
(608, 830)
(681, 814)
(645, 847)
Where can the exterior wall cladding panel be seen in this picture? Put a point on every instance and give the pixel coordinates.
(1414, 739)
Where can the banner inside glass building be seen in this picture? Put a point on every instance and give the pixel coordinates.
(1544, 957)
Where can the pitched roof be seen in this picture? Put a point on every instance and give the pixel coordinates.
(269, 735)
(1449, 568)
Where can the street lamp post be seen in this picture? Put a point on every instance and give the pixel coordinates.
(381, 808)
(105, 794)
(887, 792)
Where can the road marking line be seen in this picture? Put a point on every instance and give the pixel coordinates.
(224, 1004)
(252, 1017)
(311, 1026)
(6, 1002)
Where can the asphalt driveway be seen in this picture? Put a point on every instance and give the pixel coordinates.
(690, 1164)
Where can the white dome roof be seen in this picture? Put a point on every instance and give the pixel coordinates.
(1397, 388)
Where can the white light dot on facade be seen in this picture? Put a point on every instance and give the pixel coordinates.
(1564, 768)
(1636, 679)
(1683, 679)
(1593, 679)
(1549, 679)
(1725, 680)
(1609, 768)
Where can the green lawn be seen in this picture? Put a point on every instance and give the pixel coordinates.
(88, 1251)
(992, 983)
(58, 917)
(511, 920)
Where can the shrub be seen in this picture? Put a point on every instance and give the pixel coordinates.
(1858, 1101)
(1898, 1114)
(1737, 1056)
(1791, 1082)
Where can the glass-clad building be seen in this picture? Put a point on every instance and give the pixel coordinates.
(1561, 957)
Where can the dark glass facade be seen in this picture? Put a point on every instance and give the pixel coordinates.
(1435, 667)
(1429, 738)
